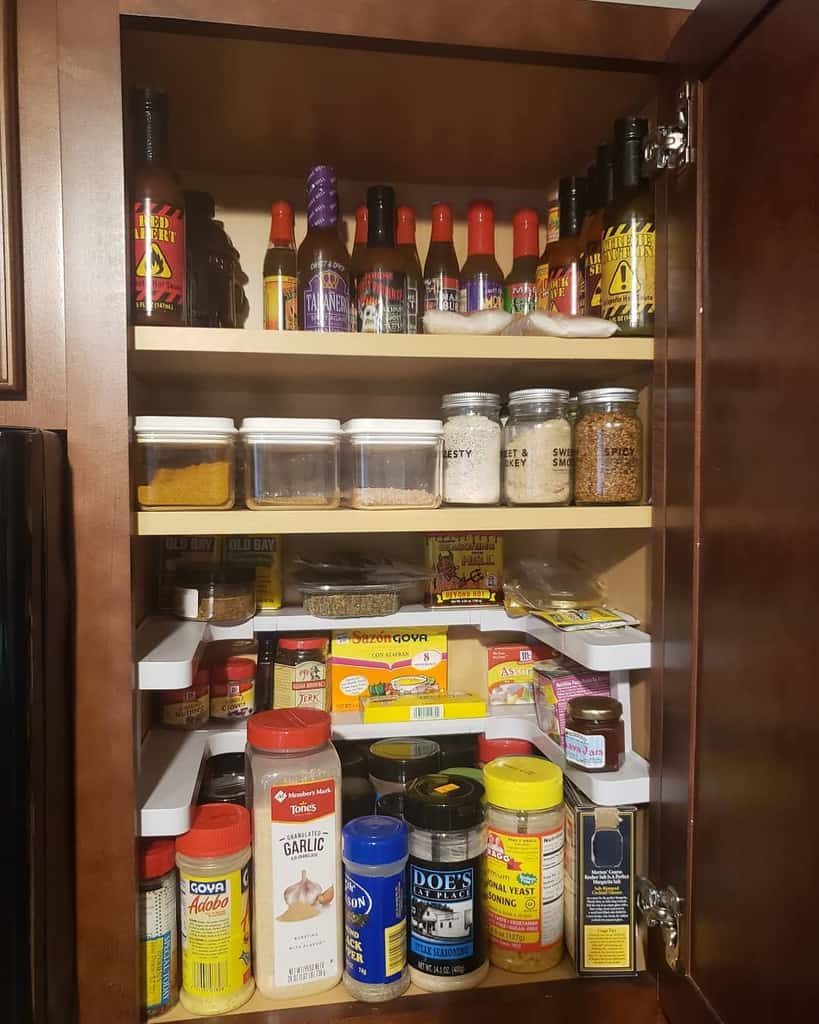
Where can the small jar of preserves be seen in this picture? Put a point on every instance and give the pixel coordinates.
(595, 736)
(608, 439)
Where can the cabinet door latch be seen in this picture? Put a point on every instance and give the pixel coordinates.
(671, 146)
(662, 907)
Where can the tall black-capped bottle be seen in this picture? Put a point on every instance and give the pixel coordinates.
(381, 284)
(628, 250)
(563, 256)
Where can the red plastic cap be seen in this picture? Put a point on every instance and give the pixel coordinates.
(405, 231)
(232, 670)
(156, 857)
(302, 643)
(525, 225)
(289, 729)
(481, 225)
(217, 830)
(281, 222)
(441, 222)
(488, 750)
(361, 225)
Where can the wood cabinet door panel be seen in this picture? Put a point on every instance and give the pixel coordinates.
(11, 337)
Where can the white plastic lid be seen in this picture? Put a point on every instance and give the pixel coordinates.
(284, 425)
(184, 425)
(431, 428)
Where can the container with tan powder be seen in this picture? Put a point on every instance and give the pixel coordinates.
(184, 462)
(537, 451)
(295, 782)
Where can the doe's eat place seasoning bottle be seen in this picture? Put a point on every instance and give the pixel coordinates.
(214, 896)
(447, 937)
(375, 909)
(159, 939)
(524, 863)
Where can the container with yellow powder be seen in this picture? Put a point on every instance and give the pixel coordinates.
(184, 462)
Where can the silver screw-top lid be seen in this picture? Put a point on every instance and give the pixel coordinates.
(533, 396)
(601, 396)
(465, 399)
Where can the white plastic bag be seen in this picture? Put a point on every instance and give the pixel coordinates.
(487, 321)
(559, 325)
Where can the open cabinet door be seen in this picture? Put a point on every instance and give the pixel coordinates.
(735, 832)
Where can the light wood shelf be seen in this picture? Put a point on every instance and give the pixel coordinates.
(441, 520)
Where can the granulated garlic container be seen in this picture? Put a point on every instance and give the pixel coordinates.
(295, 782)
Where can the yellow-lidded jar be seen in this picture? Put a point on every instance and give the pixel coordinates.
(524, 863)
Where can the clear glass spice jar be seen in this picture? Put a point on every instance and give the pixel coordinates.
(537, 448)
(224, 596)
(595, 735)
(291, 463)
(524, 863)
(392, 463)
(608, 439)
(472, 446)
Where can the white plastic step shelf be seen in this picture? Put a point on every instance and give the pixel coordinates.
(172, 760)
(168, 649)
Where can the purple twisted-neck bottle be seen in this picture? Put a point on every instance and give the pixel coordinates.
(324, 263)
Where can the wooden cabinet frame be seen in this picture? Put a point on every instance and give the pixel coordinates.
(11, 334)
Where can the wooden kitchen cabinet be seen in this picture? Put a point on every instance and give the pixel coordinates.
(721, 565)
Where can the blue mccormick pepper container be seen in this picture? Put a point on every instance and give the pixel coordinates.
(375, 921)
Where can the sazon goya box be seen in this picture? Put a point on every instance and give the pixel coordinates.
(383, 662)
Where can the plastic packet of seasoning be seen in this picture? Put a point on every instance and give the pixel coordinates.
(571, 619)
(534, 586)
(483, 321)
(561, 325)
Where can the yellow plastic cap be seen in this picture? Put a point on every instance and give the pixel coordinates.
(523, 783)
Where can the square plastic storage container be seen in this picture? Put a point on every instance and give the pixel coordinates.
(291, 463)
(392, 463)
(185, 462)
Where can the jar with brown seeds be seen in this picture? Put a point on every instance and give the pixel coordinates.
(608, 440)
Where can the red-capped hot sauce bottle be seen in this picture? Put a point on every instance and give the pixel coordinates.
(519, 286)
(565, 285)
(157, 217)
(405, 237)
(280, 272)
(441, 273)
(481, 277)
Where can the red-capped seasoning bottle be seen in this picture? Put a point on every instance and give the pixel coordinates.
(441, 272)
(481, 277)
(280, 273)
(519, 287)
(405, 237)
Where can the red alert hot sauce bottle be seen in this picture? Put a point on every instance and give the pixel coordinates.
(565, 288)
(441, 272)
(481, 277)
(405, 237)
(157, 217)
(519, 286)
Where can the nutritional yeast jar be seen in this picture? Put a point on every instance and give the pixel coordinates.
(447, 937)
(214, 903)
(295, 782)
(537, 448)
(608, 439)
(524, 863)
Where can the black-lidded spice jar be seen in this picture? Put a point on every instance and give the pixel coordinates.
(447, 948)
(595, 736)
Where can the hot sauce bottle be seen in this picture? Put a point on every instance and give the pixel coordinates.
(280, 272)
(542, 274)
(359, 247)
(157, 217)
(627, 271)
(592, 232)
(481, 277)
(519, 286)
(565, 290)
(405, 236)
(381, 285)
(323, 262)
(441, 273)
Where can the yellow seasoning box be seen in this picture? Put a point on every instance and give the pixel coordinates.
(599, 898)
(264, 553)
(465, 568)
(425, 708)
(386, 663)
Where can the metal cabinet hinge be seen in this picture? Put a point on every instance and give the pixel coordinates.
(662, 907)
(671, 146)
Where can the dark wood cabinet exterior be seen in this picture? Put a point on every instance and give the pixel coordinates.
(734, 732)
(11, 333)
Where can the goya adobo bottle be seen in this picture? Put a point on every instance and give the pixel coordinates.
(441, 272)
(280, 272)
(381, 285)
(627, 271)
(565, 289)
(481, 277)
(405, 236)
(323, 263)
(157, 217)
(519, 286)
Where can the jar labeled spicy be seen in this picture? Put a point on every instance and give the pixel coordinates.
(608, 438)
(232, 688)
(300, 673)
(595, 735)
